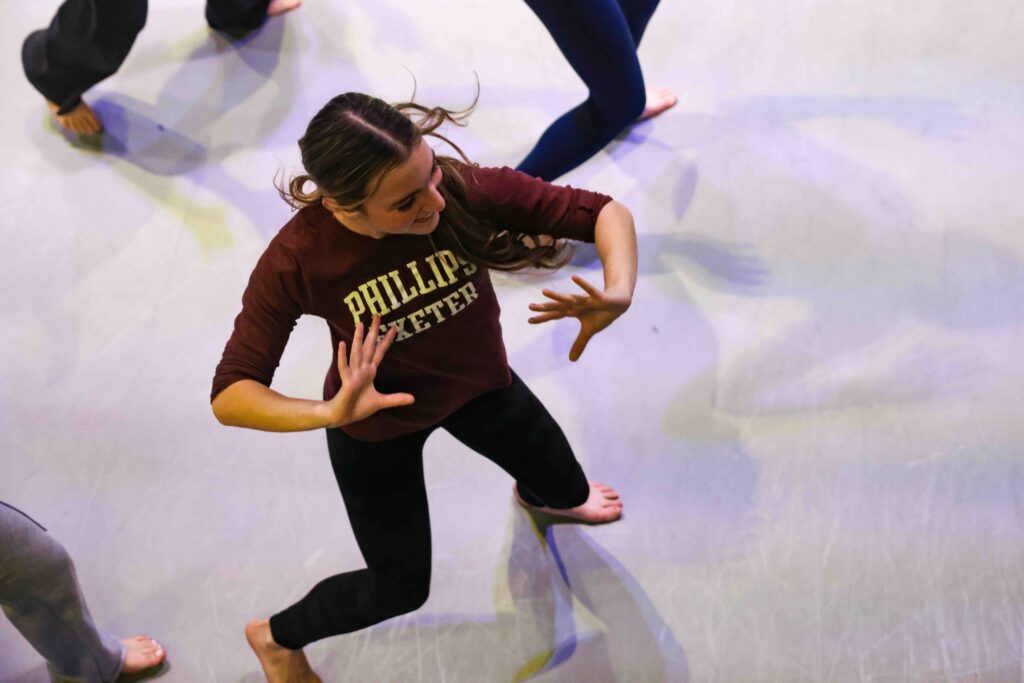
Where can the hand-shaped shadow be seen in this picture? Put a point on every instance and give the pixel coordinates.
(851, 250)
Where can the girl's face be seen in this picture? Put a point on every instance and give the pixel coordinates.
(406, 202)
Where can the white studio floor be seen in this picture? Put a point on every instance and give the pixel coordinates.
(813, 409)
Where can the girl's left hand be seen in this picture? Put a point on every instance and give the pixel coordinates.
(596, 311)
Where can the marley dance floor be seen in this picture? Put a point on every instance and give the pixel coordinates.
(813, 409)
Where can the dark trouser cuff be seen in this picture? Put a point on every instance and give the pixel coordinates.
(276, 628)
(578, 496)
(68, 105)
(234, 22)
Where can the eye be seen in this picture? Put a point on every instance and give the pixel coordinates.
(435, 177)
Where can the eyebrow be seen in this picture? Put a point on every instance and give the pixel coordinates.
(404, 199)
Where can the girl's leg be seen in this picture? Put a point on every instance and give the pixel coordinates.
(86, 42)
(40, 595)
(597, 39)
(638, 14)
(382, 486)
(236, 15)
(513, 429)
(243, 16)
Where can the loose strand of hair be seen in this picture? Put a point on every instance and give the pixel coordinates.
(293, 192)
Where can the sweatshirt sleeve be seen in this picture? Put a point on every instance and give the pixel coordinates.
(521, 203)
(270, 308)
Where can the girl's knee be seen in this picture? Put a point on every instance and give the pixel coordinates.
(402, 596)
(413, 600)
(625, 106)
(633, 102)
(41, 558)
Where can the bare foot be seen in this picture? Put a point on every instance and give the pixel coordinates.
(280, 665)
(81, 119)
(658, 100)
(603, 505)
(277, 7)
(141, 653)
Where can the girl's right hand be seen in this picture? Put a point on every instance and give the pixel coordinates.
(358, 399)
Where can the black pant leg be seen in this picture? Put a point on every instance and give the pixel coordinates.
(236, 16)
(512, 428)
(87, 41)
(384, 493)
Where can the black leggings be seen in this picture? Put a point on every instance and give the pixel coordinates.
(88, 40)
(382, 486)
(599, 38)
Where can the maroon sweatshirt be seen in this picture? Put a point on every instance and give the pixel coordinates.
(448, 349)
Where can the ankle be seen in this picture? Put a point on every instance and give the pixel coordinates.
(261, 635)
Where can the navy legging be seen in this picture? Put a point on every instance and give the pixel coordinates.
(599, 39)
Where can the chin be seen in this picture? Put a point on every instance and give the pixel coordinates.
(425, 228)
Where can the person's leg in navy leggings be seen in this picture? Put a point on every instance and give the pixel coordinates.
(599, 39)
(384, 493)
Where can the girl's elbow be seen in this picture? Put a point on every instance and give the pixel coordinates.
(221, 411)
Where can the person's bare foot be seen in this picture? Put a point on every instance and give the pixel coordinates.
(141, 653)
(658, 100)
(603, 505)
(280, 665)
(81, 119)
(277, 7)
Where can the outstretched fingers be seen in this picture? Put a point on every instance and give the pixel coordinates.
(560, 306)
(560, 297)
(396, 400)
(370, 343)
(342, 360)
(580, 344)
(545, 318)
(587, 287)
(382, 347)
(356, 358)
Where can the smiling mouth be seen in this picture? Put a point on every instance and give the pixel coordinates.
(425, 218)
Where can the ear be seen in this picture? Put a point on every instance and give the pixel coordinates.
(337, 209)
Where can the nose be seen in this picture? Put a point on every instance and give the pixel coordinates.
(436, 200)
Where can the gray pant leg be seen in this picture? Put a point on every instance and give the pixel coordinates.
(40, 595)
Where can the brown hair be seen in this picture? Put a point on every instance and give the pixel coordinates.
(356, 139)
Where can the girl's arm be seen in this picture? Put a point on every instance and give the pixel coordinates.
(248, 403)
(615, 237)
